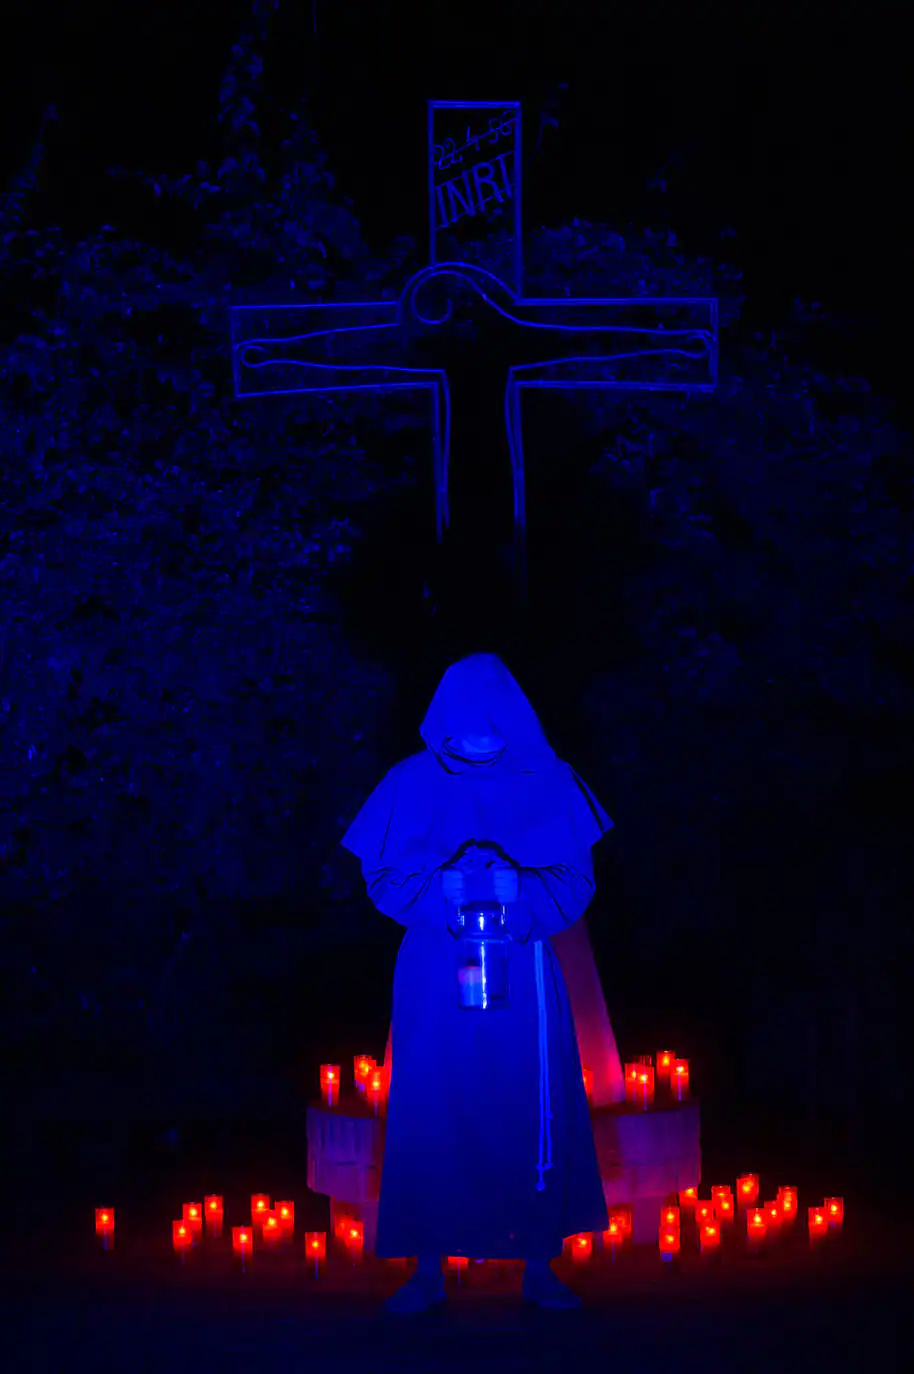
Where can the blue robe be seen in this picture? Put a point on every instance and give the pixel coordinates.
(489, 1148)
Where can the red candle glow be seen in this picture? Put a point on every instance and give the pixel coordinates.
(330, 1084)
(631, 1081)
(818, 1222)
(623, 1219)
(756, 1225)
(104, 1222)
(260, 1206)
(316, 1246)
(182, 1237)
(747, 1189)
(670, 1219)
(272, 1230)
(665, 1061)
(613, 1238)
(362, 1065)
(679, 1079)
(669, 1241)
(704, 1212)
(722, 1198)
(341, 1223)
(285, 1211)
(688, 1199)
(580, 1247)
(192, 1214)
(588, 1082)
(214, 1212)
(834, 1210)
(710, 1237)
(644, 1088)
(355, 1240)
(772, 1217)
(243, 1241)
(376, 1089)
(787, 1201)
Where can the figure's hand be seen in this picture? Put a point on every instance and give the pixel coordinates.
(453, 885)
(506, 884)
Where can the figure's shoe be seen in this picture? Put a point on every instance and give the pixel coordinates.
(418, 1294)
(542, 1288)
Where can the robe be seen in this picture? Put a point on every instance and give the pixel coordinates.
(489, 1148)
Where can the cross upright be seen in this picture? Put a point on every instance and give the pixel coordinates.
(462, 333)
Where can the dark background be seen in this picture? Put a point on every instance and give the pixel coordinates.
(779, 134)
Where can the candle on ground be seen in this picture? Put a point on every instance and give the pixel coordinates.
(182, 1237)
(818, 1223)
(722, 1198)
(688, 1199)
(214, 1212)
(665, 1061)
(669, 1241)
(285, 1211)
(704, 1212)
(243, 1241)
(260, 1207)
(362, 1065)
(272, 1230)
(788, 1203)
(580, 1247)
(644, 1088)
(679, 1079)
(631, 1081)
(670, 1218)
(192, 1214)
(747, 1190)
(104, 1226)
(376, 1090)
(756, 1225)
(772, 1217)
(710, 1237)
(834, 1210)
(355, 1241)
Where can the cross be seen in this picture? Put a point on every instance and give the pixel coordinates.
(460, 332)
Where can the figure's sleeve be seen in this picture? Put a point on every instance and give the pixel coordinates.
(551, 899)
(413, 899)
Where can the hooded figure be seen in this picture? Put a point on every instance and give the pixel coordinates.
(489, 1148)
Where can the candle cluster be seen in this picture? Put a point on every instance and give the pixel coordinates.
(644, 1077)
(369, 1081)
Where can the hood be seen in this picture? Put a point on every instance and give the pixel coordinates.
(479, 696)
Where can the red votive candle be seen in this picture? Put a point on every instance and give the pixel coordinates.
(669, 1241)
(182, 1236)
(788, 1203)
(214, 1212)
(818, 1223)
(631, 1081)
(104, 1222)
(670, 1219)
(355, 1241)
(316, 1247)
(644, 1089)
(272, 1230)
(756, 1225)
(330, 1084)
(722, 1199)
(588, 1082)
(704, 1212)
(834, 1210)
(243, 1241)
(665, 1061)
(260, 1207)
(362, 1065)
(285, 1212)
(679, 1079)
(772, 1217)
(341, 1223)
(623, 1218)
(580, 1247)
(376, 1090)
(192, 1214)
(747, 1190)
(710, 1237)
(688, 1200)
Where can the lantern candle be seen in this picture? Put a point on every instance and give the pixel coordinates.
(330, 1084)
(580, 1247)
(704, 1212)
(710, 1237)
(644, 1090)
(756, 1226)
(688, 1199)
(787, 1201)
(631, 1081)
(316, 1247)
(376, 1089)
(818, 1223)
(192, 1215)
(747, 1190)
(243, 1241)
(214, 1212)
(260, 1207)
(834, 1210)
(104, 1225)
(285, 1211)
(588, 1082)
(665, 1062)
(612, 1238)
(669, 1241)
(272, 1230)
(355, 1240)
(670, 1219)
(679, 1079)
(772, 1217)
(182, 1237)
(362, 1065)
